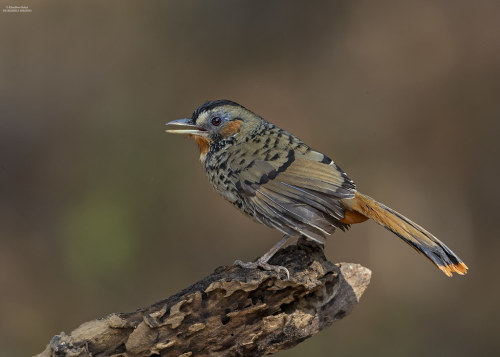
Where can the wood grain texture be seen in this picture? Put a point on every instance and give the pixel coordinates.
(232, 312)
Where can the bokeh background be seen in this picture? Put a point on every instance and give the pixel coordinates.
(101, 211)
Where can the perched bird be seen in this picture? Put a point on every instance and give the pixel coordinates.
(272, 176)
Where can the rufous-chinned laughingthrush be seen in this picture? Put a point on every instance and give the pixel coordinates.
(274, 177)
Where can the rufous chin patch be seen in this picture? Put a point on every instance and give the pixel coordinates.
(203, 144)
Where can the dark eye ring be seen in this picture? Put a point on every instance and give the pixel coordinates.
(216, 121)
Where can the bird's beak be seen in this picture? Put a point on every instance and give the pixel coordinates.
(186, 127)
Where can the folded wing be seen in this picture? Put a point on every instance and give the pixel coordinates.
(299, 194)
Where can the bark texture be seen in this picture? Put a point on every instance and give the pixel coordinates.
(232, 312)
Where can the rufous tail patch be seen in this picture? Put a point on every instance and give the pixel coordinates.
(417, 237)
(352, 217)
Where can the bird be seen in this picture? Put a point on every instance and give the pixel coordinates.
(278, 180)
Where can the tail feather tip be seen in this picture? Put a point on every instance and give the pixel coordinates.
(459, 268)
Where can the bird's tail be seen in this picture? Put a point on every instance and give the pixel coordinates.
(421, 240)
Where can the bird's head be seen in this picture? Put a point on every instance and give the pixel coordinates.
(215, 122)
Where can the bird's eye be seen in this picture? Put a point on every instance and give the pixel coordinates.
(216, 121)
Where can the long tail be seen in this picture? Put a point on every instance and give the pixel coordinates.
(421, 240)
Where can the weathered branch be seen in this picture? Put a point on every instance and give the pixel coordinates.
(232, 312)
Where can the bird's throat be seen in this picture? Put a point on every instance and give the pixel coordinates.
(203, 144)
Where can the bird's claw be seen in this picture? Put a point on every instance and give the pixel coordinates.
(265, 266)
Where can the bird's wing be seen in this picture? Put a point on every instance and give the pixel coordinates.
(297, 193)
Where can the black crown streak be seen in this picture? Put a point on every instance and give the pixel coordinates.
(212, 105)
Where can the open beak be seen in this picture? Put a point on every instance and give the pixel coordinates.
(186, 127)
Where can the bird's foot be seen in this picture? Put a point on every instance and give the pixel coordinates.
(265, 266)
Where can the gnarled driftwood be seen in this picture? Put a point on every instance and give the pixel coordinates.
(232, 312)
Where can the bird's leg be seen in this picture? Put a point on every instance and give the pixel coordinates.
(262, 262)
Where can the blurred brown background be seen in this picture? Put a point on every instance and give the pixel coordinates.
(101, 211)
